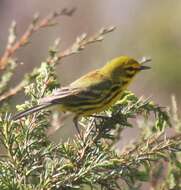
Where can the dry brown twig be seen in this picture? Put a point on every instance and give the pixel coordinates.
(80, 43)
(13, 44)
(13, 91)
(83, 41)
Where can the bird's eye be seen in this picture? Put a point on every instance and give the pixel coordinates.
(130, 68)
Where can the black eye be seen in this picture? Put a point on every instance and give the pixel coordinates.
(130, 69)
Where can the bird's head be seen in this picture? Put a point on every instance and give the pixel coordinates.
(124, 67)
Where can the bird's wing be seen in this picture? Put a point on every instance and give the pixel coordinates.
(60, 95)
(87, 88)
(76, 94)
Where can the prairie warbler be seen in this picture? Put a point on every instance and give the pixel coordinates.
(93, 92)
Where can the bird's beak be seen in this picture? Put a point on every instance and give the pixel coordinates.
(143, 61)
(143, 67)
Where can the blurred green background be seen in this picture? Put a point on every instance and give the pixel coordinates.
(144, 28)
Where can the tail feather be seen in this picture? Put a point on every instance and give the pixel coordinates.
(30, 111)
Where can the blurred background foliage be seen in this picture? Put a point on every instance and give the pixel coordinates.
(144, 28)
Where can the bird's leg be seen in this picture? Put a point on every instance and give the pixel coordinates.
(75, 120)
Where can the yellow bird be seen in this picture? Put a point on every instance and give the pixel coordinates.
(93, 92)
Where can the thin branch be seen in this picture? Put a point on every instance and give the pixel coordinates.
(13, 45)
(81, 42)
(13, 91)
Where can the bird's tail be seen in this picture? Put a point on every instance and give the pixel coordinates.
(30, 111)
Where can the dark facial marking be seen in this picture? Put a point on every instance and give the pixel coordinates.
(130, 75)
(132, 68)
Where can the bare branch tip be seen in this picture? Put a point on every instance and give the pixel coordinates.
(145, 60)
(36, 18)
